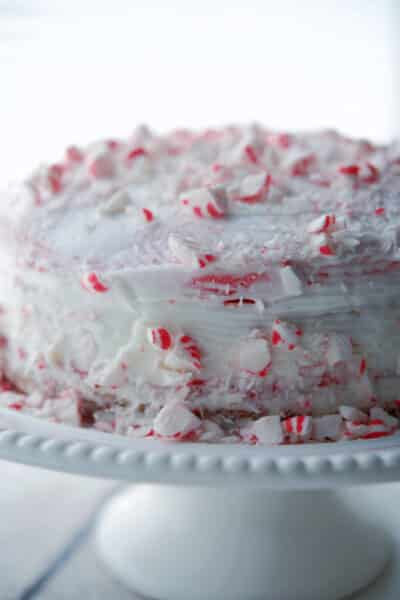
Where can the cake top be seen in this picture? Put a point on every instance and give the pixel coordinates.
(235, 198)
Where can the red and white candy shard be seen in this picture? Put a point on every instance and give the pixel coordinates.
(322, 245)
(189, 253)
(377, 413)
(53, 179)
(340, 349)
(204, 203)
(254, 356)
(300, 163)
(135, 153)
(64, 410)
(254, 188)
(160, 338)
(375, 428)
(175, 420)
(210, 431)
(327, 427)
(139, 215)
(322, 224)
(190, 348)
(297, 428)
(93, 283)
(147, 215)
(291, 283)
(182, 354)
(285, 335)
(106, 374)
(267, 430)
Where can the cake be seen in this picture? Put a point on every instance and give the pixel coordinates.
(228, 285)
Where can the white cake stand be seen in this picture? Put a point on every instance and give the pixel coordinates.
(223, 521)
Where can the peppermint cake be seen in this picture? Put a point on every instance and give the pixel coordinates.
(234, 285)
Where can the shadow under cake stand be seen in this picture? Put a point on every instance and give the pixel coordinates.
(214, 521)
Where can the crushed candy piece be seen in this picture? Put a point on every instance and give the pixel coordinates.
(204, 203)
(268, 430)
(175, 420)
(93, 283)
(297, 428)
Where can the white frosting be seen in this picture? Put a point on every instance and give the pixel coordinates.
(271, 261)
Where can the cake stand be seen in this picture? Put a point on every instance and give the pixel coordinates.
(212, 521)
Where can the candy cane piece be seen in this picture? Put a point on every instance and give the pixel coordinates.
(327, 427)
(378, 413)
(321, 245)
(204, 203)
(253, 188)
(188, 252)
(363, 366)
(254, 356)
(373, 175)
(92, 282)
(160, 338)
(136, 153)
(191, 348)
(351, 413)
(175, 420)
(322, 224)
(301, 166)
(352, 170)
(267, 430)
(297, 428)
(251, 154)
(148, 215)
(284, 335)
(372, 430)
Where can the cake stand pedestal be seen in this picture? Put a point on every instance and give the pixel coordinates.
(187, 543)
(223, 521)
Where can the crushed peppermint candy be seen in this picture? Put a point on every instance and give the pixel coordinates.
(285, 335)
(204, 203)
(267, 430)
(174, 421)
(189, 253)
(92, 282)
(254, 356)
(327, 427)
(297, 428)
(160, 338)
(253, 188)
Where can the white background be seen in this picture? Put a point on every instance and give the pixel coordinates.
(74, 70)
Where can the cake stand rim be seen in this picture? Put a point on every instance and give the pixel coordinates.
(35, 442)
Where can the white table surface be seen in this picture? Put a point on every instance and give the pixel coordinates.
(41, 513)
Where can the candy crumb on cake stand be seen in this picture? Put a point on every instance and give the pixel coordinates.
(223, 520)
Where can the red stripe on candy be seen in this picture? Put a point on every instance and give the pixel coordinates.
(148, 215)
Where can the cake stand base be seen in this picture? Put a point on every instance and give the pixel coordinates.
(192, 543)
